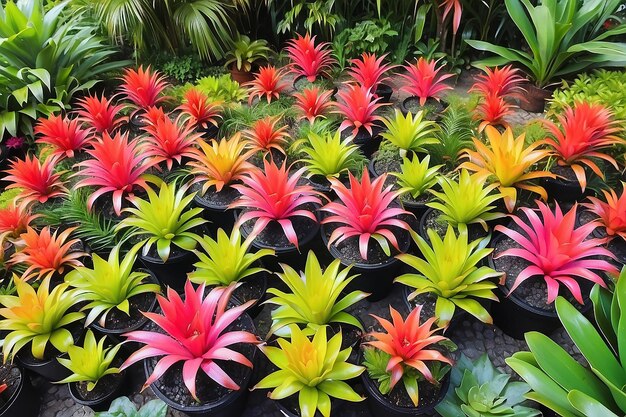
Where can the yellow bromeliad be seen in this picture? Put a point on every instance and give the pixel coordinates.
(508, 162)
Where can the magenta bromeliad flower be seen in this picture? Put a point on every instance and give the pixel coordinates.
(365, 211)
(196, 333)
(557, 250)
(369, 71)
(424, 81)
(357, 105)
(15, 142)
(307, 59)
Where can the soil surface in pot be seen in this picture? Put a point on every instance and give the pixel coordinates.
(387, 162)
(11, 376)
(427, 301)
(117, 319)
(104, 387)
(432, 107)
(475, 231)
(213, 198)
(50, 353)
(428, 394)
(251, 288)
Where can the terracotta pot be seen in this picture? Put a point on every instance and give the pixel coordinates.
(240, 76)
(534, 100)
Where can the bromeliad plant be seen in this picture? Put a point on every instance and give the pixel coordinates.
(466, 201)
(357, 106)
(450, 270)
(220, 163)
(143, 88)
(115, 166)
(509, 163)
(403, 351)
(226, 259)
(36, 180)
(263, 135)
(272, 195)
(164, 219)
(45, 253)
(369, 71)
(611, 214)
(585, 132)
(424, 81)
(65, 136)
(109, 285)
(365, 212)
(99, 114)
(15, 219)
(168, 141)
(267, 82)
(314, 298)
(199, 110)
(417, 177)
(307, 59)
(410, 134)
(327, 155)
(315, 369)
(90, 362)
(196, 333)
(37, 318)
(313, 103)
(557, 250)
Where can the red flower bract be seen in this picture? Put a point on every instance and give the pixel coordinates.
(313, 103)
(611, 214)
(116, 166)
(357, 104)
(65, 136)
(272, 195)
(501, 82)
(264, 135)
(307, 59)
(365, 211)
(267, 82)
(199, 109)
(99, 113)
(424, 81)
(557, 250)
(368, 71)
(37, 179)
(15, 218)
(196, 333)
(491, 111)
(169, 141)
(143, 87)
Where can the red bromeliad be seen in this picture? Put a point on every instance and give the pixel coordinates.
(368, 71)
(154, 114)
(116, 166)
(100, 114)
(37, 180)
(365, 212)
(407, 343)
(272, 195)
(447, 6)
(357, 105)
(45, 253)
(611, 214)
(15, 219)
(313, 103)
(199, 110)
(424, 81)
(267, 82)
(585, 131)
(143, 87)
(491, 111)
(557, 250)
(169, 141)
(264, 135)
(64, 135)
(502, 82)
(307, 59)
(196, 333)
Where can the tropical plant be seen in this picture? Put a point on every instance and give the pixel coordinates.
(226, 259)
(15, 219)
(466, 201)
(369, 71)
(307, 59)
(492, 111)
(329, 156)
(114, 292)
(373, 36)
(357, 106)
(314, 298)
(199, 110)
(267, 82)
(417, 177)
(315, 369)
(272, 195)
(36, 179)
(408, 133)
(264, 135)
(450, 270)
(246, 53)
(168, 141)
(313, 103)
(222, 89)
(557, 250)
(143, 87)
(115, 166)
(585, 132)
(99, 114)
(65, 136)
(365, 212)
(91, 362)
(406, 344)
(455, 134)
(196, 332)
(509, 163)
(500, 82)
(424, 81)
(220, 163)
(164, 219)
(152, 115)
(123, 407)
(48, 56)
(479, 389)
(564, 37)
(37, 318)
(45, 253)
(611, 215)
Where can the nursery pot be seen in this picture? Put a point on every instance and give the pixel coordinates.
(384, 91)
(241, 77)
(258, 280)
(102, 400)
(433, 108)
(24, 401)
(563, 189)
(49, 369)
(381, 406)
(283, 407)
(534, 101)
(172, 273)
(368, 142)
(216, 210)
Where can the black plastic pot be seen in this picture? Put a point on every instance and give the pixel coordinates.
(172, 273)
(322, 185)
(563, 190)
(384, 91)
(104, 402)
(259, 279)
(414, 207)
(219, 216)
(50, 369)
(380, 406)
(24, 402)
(368, 142)
(210, 132)
(335, 406)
